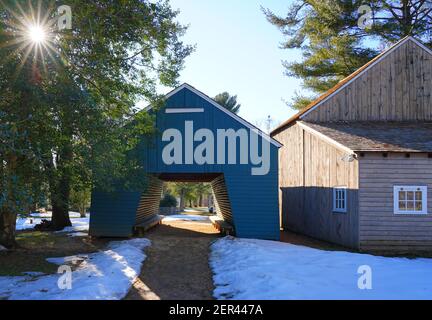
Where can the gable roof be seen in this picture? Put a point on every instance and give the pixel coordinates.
(378, 136)
(218, 106)
(345, 82)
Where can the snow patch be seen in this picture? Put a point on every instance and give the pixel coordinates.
(78, 234)
(71, 260)
(267, 270)
(48, 214)
(27, 223)
(78, 224)
(184, 217)
(104, 275)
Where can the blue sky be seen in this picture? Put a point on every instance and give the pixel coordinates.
(237, 51)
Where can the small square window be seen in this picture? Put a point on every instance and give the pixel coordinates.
(340, 199)
(410, 200)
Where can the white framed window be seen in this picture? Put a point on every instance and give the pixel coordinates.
(410, 200)
(340, 199)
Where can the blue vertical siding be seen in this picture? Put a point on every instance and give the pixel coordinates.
(113, 214)
(254, 199)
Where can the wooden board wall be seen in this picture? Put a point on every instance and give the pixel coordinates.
(221, 199)
(309, 170)
(150, 200)
(397, 88)
(380, 228)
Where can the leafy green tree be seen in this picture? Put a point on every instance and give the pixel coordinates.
(193, 193)
(333, 36)
(67, 102)
(228, 102)
(18, 170)
(168, 201)
(184, 190)
(202, 190)
(21, 178)
(80, 199)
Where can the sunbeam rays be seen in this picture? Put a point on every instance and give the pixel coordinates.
(30, 33)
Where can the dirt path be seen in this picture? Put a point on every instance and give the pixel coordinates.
(177, 264)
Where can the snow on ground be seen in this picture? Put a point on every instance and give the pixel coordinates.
(184, 217)
(256, 269)
(79, 225)
(27, 223)
(192, 210)
(49, 214)
(104, 275)
(78, 234)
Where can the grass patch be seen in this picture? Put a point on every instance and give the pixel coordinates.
(36, 239)
(14, 265)
(35, 247)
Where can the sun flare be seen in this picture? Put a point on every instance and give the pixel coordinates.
(36, 34)
(30, 33)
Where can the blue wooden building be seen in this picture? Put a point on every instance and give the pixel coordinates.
(197, 140)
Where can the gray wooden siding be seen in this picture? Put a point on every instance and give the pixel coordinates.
(397, 89)
(380, 228)
(309, 170)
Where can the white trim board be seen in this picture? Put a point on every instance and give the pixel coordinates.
(325, 138)
(218, 106)
(184, 110)
(384, 55)
(412, 188)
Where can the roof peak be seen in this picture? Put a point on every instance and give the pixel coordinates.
(344, 82)
(221, 108)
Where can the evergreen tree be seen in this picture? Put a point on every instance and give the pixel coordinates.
(228, 102)
(333, 36)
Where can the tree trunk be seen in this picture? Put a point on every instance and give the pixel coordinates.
(60, 191)
(83, 211)
(7, 215)
(201, 200)
(60, 204)
(182, 201)
(7, 229)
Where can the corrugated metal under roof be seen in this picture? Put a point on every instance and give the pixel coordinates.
(379, 136)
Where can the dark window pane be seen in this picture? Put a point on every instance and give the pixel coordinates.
(410, 205)
(410, 195)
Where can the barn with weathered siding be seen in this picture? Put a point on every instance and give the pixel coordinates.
(213, 145)
(356, 164)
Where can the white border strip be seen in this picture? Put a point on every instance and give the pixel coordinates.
(367, 69)
(325, 138)
(185, 110)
